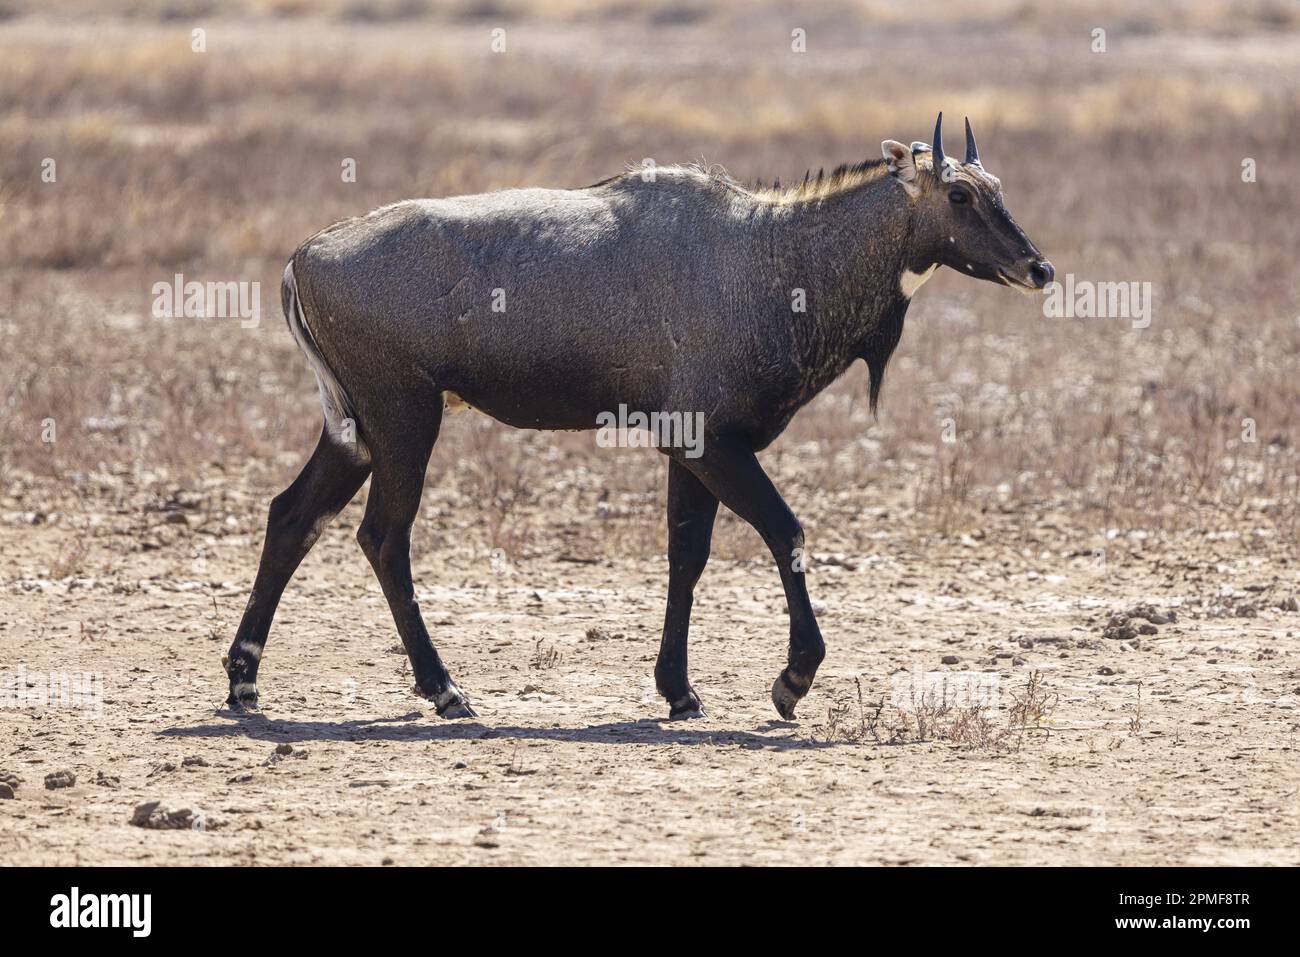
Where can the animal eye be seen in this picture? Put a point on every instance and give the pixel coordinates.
(958, 196)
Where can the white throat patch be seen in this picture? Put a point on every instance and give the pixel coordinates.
(910, 281)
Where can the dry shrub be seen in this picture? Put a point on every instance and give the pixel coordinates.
(927, 717)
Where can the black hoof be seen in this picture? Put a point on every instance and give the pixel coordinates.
(243, 701)
(688, 707)
(785, 697)
(450, 703)
(243, 694)
(460, 709)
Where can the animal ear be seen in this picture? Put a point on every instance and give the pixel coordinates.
(899, 160)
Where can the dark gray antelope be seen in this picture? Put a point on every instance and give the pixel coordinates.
(671, 290)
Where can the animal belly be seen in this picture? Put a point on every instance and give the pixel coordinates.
(525, 410)
(537, 385)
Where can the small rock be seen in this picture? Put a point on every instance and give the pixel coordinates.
(165, 768)
(194, 761)
(11, 779)
(1105, 670)
(153, 815)
(951, 660)
(1153, 614)
(60, 779)
(1054, 640)
(107, 780)
(282, 751)
(1148, 630)
(1122, 624)
(6, 792)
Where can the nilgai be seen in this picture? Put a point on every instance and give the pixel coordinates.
(671, 290)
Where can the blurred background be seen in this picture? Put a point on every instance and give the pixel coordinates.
(1123, 164)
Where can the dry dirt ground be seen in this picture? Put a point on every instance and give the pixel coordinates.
(1176, 747)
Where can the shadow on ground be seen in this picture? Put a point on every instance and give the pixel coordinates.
(415, 727)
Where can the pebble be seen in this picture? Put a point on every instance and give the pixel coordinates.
(60, 779)
(282, 751)
(153, 815)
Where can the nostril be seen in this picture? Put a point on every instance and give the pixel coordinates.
(1042, 273)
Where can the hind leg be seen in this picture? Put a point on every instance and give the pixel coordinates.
(692, 509)
(385, 537)
(297, 515)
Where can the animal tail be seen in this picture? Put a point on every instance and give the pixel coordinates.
(340, 413)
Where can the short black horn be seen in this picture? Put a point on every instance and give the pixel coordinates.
(938, 145)
(972, 151)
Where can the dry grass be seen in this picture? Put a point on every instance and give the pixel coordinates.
(545, 657)
(1123, 165)
(859, 725)
(1135, 716)
(956, 719)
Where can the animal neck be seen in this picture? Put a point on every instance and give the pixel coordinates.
(857, 254)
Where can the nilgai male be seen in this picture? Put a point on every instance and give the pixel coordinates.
(671, 290)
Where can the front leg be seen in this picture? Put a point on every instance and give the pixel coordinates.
(731, 471)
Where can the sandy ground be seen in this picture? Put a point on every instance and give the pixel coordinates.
(1177, 747)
